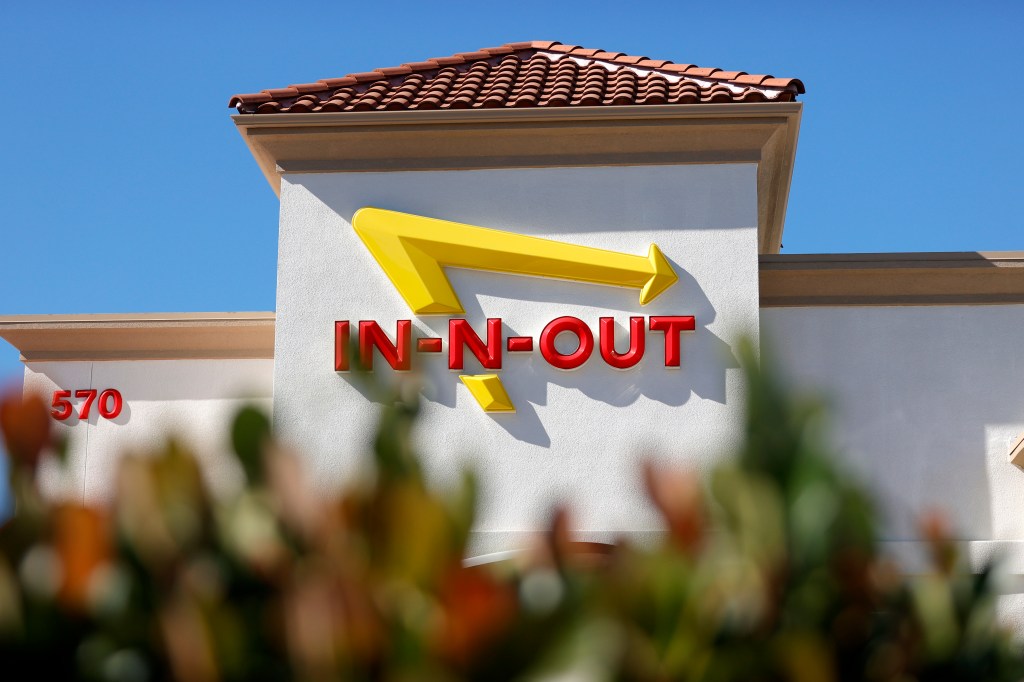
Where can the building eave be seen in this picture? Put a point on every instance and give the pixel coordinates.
(884, 279)
(469, 139)
(148, 336)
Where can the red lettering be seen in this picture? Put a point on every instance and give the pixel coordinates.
(575, 326)
(109, 404)
(673, 326)
(428, 345)
(341, 333)
(108, 410)
(520, 344)
(461, 336)
(636, 343)
(396, 354)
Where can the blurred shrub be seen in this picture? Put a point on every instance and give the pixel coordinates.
(769, 570)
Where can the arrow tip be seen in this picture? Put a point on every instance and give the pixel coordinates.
(664, 276)
(489, 392)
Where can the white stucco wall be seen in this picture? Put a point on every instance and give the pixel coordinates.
(577, 436)
(927, 402)
(193, 399)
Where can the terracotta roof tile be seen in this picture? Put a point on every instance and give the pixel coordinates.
(282, 92)
(527, 74)
(776, 82)
(751, 79)
(308, 87)
(633, 61)
(367, 76)
(701, 72)
(340, 82)
(255, 98)
(447, 61)
(396, 70)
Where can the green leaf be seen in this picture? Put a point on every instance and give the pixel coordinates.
(250, 435)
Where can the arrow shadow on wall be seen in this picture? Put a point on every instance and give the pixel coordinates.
(527, 377)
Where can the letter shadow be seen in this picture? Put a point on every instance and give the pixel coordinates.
(527, 376)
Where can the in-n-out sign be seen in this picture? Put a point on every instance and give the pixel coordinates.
(413, 252)
(488, 351)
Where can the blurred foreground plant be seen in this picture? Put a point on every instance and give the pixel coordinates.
(770, 570)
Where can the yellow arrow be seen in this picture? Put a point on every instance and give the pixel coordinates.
(413, 251)
(489, 392)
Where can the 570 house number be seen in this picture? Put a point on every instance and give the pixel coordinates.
(108, 403)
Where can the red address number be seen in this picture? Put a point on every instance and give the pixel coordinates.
(109, 404)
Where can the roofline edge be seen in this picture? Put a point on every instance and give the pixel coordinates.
(891, 279)
(145, 336)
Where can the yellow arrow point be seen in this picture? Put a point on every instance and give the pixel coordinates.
(489, 392)
(664, 276)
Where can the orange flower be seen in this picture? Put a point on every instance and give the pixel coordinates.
(82, 541)
(477, 609)
(25, 423)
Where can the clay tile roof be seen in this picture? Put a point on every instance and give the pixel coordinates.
(528, 74)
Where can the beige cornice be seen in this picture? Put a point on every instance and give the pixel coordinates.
(140, 336)
(878, 279)
(765, 134)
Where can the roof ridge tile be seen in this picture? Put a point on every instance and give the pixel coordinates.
(448, 61)
(395, 71)
(338, 82)
(478, 79)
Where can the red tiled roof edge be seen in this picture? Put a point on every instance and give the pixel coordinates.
(653, 81)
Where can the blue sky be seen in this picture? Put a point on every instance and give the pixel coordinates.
(125, 187)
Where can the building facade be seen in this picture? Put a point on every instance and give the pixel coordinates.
(562, 249)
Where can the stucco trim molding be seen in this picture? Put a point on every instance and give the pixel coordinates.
(765, 134)
(1017, 453)
(886, 279)
(158, 336)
